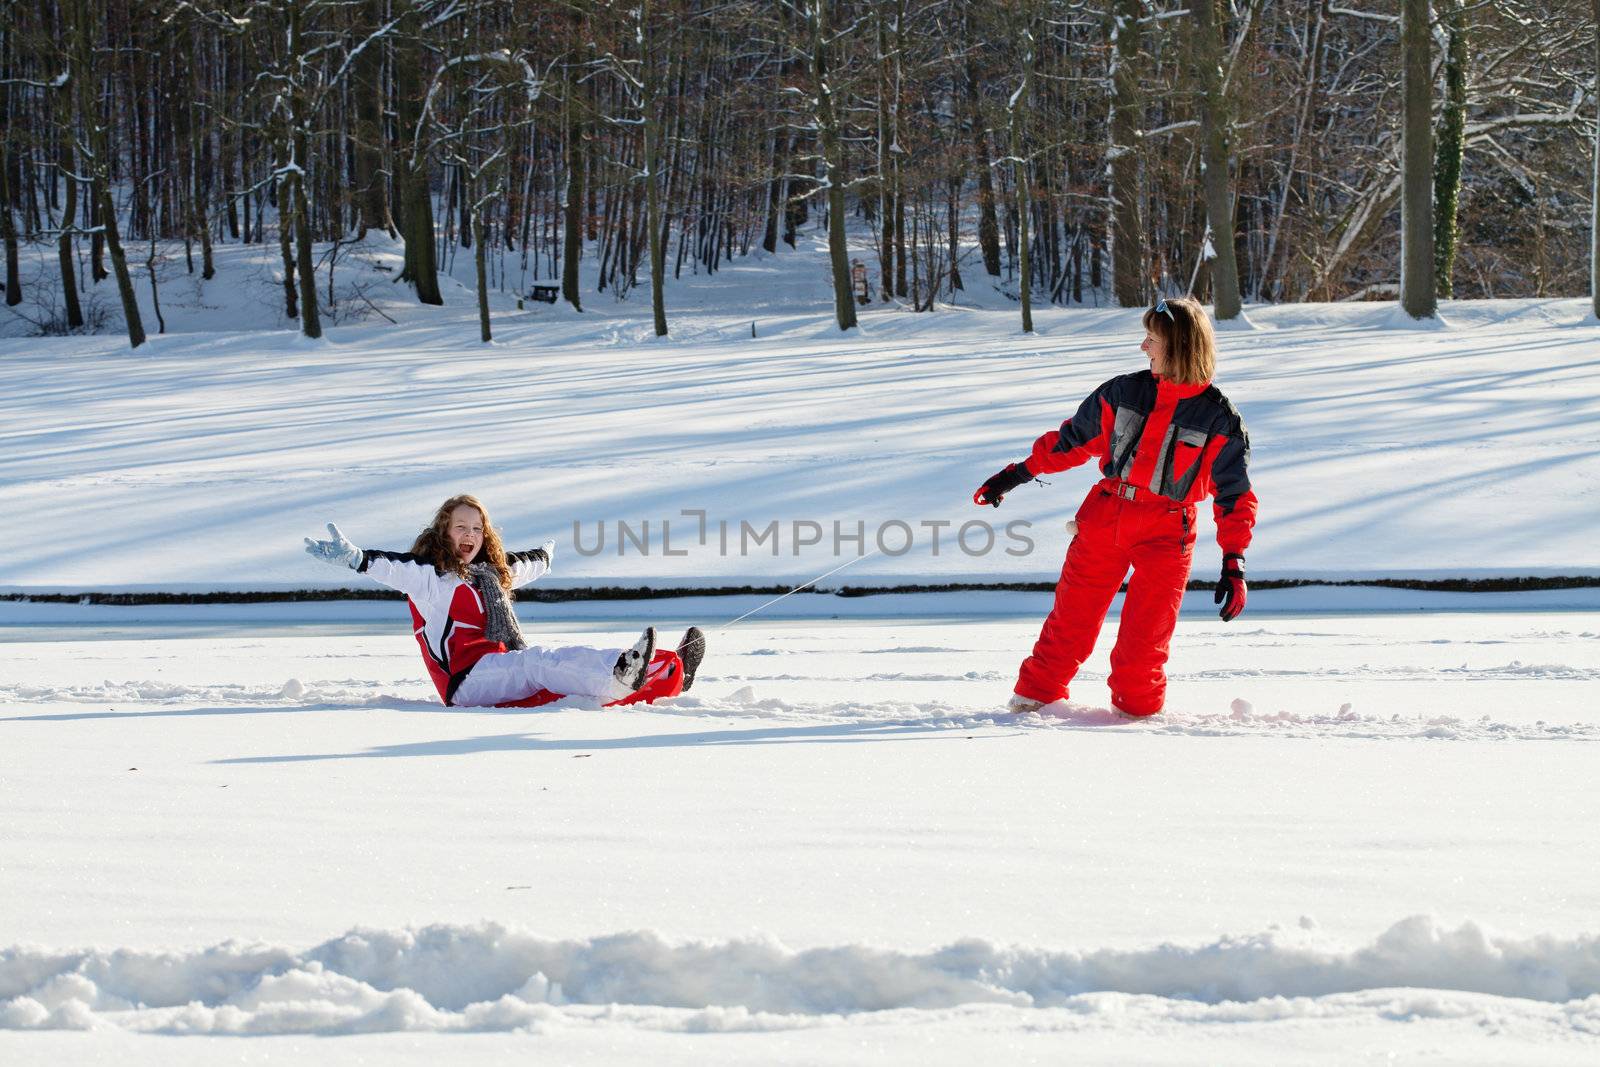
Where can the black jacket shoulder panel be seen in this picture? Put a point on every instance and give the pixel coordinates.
(1136, 390)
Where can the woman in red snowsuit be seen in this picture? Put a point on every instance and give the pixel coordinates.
(1166, 438)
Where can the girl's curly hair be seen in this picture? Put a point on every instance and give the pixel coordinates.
(434, 542)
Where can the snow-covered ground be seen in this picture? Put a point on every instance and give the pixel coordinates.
(1364, 829)
(202, 459)
(1350, 836)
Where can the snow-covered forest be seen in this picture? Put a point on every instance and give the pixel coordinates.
(1066, 152)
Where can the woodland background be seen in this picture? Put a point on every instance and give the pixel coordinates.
(1056, 150)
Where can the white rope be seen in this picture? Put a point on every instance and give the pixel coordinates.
(796, 589)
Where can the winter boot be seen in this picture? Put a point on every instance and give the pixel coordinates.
(1022, 705)
(1136, 716)
(691, 650)
(634, 664)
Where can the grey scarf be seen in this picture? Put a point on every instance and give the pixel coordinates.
(500, 619)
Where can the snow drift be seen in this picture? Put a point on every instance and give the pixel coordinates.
(489, 977)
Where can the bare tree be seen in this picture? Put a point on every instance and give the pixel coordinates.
(1417, 292)
(1214, 137)
(828, 133)
(1018, 108)
(1127, 104)
(96, 148)
(1594, 191)
(367, 94)
(416, 198)
(8, 225)
(1451, 146)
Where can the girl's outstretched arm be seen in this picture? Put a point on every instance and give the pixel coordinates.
(530, 566)
(411, 575)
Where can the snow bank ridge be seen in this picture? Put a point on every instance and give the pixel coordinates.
(487, 977)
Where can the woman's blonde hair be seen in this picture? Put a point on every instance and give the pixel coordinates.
(1191, 346)
(433, 542)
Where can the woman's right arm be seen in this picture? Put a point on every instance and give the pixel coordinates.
(1080, 438)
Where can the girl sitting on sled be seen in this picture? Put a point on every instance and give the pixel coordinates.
(458, 579)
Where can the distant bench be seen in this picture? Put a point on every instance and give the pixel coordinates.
(546, 294)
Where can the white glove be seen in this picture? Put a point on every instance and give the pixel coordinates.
(549, 553)
(339, 551)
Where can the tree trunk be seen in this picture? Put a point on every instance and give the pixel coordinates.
(119, 265)
(572, 213)
(775, 189)
(416, 200)
(844, 305)
(988, 225)
(291, 292)
(1447, 158)
(886, 205)
(310, 320)
(1417, 291)
(372, 186)
(155, 292)
(652, 166)
(480, 260)
(953, 221)
(69, 220)
(1214, 124)
(1127, 234)
(8, 226)
(1594, 189)
(85, 79)
(1019, 107)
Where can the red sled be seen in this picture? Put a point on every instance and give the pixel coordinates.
(664, 679)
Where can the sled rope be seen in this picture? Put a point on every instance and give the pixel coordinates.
(796, 589)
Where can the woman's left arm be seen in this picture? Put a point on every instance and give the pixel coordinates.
(1233, 501)
(1234, 507)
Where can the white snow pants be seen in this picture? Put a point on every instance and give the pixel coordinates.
(573, 671)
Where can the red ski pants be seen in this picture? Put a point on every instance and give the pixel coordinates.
(1154, 536)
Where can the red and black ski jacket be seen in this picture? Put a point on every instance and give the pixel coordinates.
(1182, 442)
(447, 614)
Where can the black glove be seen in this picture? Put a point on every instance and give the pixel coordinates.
(994, 490)
(1231, 590)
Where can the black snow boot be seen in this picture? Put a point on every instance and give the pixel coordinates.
(633, 666)
(691, 650)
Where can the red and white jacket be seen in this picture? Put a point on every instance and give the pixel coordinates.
(447, 614)
(1182, 442)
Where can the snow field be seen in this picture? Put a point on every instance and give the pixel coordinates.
(1363, 830)
(836, 849)
(1378, 451)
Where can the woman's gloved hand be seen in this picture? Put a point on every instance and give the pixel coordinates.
(1231, 590)
(994, 490)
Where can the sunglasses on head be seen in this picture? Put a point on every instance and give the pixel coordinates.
(1162, 309)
